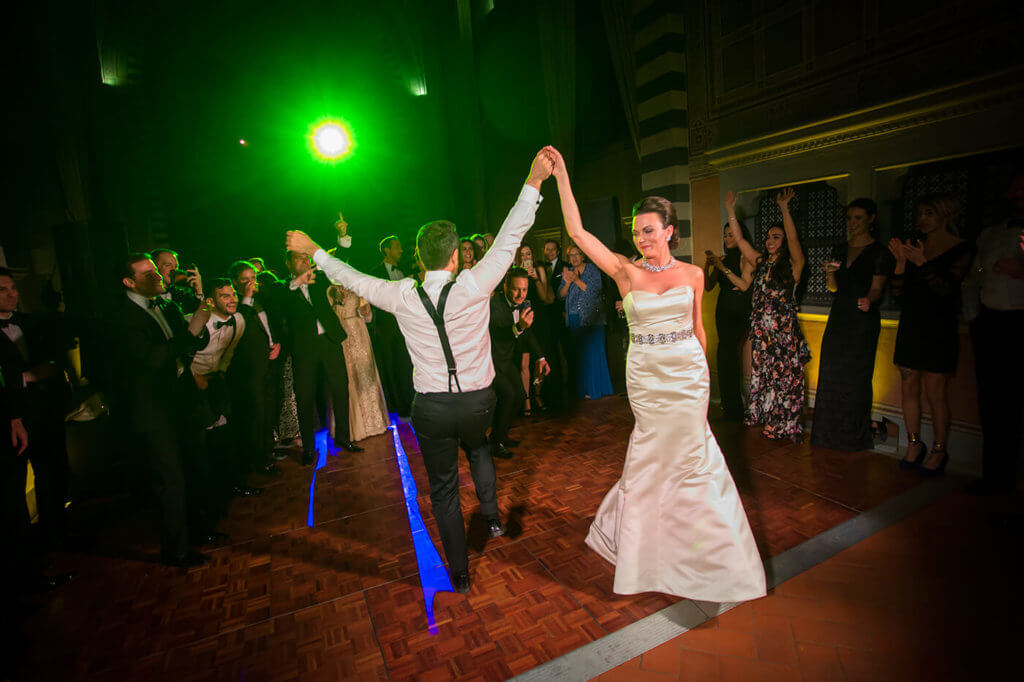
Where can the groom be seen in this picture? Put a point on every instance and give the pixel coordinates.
(454, 400)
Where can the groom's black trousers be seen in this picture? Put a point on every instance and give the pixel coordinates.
(442, 421)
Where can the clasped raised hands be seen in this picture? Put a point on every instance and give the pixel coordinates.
(540, 169)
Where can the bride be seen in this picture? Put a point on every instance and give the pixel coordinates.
(674, 522)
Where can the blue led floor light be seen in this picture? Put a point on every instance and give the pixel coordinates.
(322, 448)
(433, 575)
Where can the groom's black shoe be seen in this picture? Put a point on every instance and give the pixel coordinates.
(347, 445)
(499, 450)
(461, 582)
(495, 528)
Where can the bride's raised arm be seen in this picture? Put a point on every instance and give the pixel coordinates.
(605, 259)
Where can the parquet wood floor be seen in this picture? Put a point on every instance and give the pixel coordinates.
(342, 599)
(932, 597)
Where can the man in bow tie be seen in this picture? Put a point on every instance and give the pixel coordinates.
(315, 337)
(254, 375)
(214, 418)
(511, 336)
(151, 346)
(32, 354)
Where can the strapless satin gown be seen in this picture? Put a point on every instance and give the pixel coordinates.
(674, 522)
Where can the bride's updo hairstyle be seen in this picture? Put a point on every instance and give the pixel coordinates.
(664, 210)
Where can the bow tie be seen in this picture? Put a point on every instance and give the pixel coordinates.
(230, 322)
(4, 324)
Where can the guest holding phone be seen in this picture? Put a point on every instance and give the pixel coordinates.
(584, 315)
(539, 290)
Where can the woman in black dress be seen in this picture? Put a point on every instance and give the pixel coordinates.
(856, 274)
(734, 273)
(926, 284)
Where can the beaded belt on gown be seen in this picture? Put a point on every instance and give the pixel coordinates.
(670, 337)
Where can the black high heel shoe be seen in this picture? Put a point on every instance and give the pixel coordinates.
(880, 430)
(939, 470)
(916, 462)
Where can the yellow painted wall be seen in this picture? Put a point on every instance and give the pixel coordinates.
(707, 235)
(963, 392)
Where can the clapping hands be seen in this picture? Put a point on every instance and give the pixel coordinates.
(906, 251)
(308, 277)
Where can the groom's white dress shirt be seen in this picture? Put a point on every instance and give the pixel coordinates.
(467, 312)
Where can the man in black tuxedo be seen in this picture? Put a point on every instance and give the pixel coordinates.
(32, 352)
(14, 519)
(250, 379)
(511, 336)
(394, 364)
(186, 295)
(315, 337)
(151, 347)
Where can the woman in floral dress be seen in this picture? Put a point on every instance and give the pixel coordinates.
(779, 350)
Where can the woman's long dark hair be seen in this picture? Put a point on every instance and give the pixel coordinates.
(780, 272)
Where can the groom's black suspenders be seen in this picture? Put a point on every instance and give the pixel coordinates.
(437, 315)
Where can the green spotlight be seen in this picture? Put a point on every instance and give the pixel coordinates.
(330, 140)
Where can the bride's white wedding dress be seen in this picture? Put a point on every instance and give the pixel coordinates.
(674, 522)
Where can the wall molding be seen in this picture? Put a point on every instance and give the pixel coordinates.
(933, 106)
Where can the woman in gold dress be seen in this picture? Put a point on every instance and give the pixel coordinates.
(367, 412)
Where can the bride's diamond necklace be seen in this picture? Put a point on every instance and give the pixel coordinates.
(657, 268)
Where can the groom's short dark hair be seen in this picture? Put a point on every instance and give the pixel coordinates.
(435, 243)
